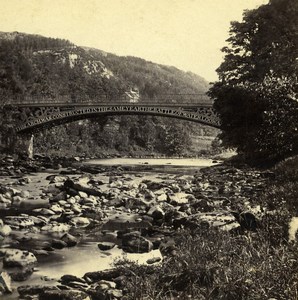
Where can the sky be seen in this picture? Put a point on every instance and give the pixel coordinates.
(187, 34)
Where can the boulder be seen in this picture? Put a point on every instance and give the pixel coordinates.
(26, 290)
(156, 213)
(71, 186)
(64, 295)
(105, 284)
(21, 274)
(153, 260)
(162, 197)
(58, 244)
(56, 227)
(247, 220)
(17, 200)
(116, 184)
(25, 194)
(4, 200)
(65, 279)
(39, 220)
(56, 178)
(44, 211)
(149, 195)
(105, 290)
(178, 198)
(61, 196)
(5, 230)
(80, 221)
(114, 294)
(69, 239)
(106, 246)
(19, 221)
(133, 242)
(5, 283)
(96, 276)
(202, 205)
(56, 208)
(53, 190)
(17, 258)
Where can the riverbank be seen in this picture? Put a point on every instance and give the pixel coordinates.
(204, 233)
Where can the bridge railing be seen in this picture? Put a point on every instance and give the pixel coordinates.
(108, 99)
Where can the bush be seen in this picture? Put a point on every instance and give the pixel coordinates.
(217, 265)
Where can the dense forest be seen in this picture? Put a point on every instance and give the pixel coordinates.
(36, 68)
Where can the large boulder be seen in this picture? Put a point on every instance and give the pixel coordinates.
(21, 274)
(133, 242)
(69, 239)
(17, 258)
(106, 246)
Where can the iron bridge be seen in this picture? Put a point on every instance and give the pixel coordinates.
(31, 114)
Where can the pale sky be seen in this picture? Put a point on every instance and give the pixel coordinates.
(187, 34)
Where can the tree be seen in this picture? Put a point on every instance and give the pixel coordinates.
(256, 95)
(176, 140)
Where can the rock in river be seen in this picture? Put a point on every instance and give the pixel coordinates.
(106, 246)
(80, 221)
(17, 258)
(133, 242)
(69, 239)
(64, 295)
(5, 283)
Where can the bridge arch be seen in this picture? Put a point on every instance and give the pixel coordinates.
(32, 118)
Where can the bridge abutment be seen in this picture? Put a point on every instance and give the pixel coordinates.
(10, 141)
(24, 145)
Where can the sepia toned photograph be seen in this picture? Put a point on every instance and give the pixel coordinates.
(148, 149)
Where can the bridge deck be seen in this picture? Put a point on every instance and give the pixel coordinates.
(162, 100)
(96, 104)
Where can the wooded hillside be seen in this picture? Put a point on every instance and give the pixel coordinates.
(36, 67)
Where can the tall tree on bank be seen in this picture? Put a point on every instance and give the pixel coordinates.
(256, 95)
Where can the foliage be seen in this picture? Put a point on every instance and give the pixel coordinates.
(216, 265)
(152, 80)
(282, 194)
(176, 140)
(256, 95)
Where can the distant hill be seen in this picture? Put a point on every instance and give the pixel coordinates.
(33, 66)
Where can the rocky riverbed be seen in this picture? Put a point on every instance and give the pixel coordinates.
(61, 228)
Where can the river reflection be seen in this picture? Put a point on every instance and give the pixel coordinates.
(188, 162)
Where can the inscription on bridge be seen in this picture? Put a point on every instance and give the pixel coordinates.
(30, 113)
(44, 115)
(33, 118)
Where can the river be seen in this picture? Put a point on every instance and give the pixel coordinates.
(166, 162)
(86, 256)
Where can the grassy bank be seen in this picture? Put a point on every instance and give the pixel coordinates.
(212, 264)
